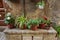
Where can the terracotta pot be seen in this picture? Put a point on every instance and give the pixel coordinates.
(34, 27)
(23, 27)
(42, 26)
(10, 26)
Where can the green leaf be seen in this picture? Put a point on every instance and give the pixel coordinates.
(29, 27)
(57, 28)
(21, 20)
(41, 3)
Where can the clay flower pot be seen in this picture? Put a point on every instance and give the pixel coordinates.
(42, 26)
(11, 26)
(47, 27)
(34, 27)
(24, 26)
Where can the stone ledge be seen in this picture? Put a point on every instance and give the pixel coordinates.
(19, 31)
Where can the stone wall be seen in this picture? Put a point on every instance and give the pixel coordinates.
(40, 34)
(54, 10)
(32, 12)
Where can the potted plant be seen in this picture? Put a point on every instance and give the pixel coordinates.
(42, 23)
(48, 24)
(29, 23)
(45, 23)
(33, 24)
(9, 20)
(21, 22)
(40, 4)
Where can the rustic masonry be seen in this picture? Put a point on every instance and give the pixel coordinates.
(53, 11)
(40, 34)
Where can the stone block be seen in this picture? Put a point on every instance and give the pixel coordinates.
(27, 37)
(38, 37)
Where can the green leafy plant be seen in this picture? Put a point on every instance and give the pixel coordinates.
(44, 23)
(57, 28)
(48, 22)
(41, 3)
(9, 19)
(41, 20)
(33, 22)
(29, 23)
(21, 21)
